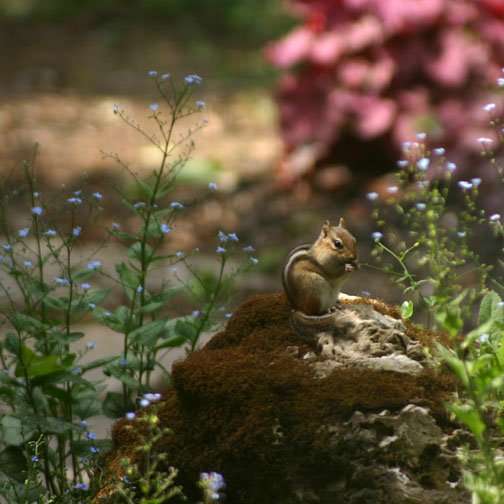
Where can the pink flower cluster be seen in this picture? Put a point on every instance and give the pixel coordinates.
(385, 70)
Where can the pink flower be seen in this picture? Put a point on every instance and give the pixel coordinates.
(291, 49)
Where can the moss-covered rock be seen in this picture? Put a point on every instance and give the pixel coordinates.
(352, 415)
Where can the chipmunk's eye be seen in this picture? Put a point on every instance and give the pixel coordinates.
(338, 243)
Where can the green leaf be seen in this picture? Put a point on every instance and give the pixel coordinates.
(97, 363)
(152, 307)
(33, 365)
(488, 307)
(454, 362)
(12, 430)
(148, 333)
(55, 303)
(173, 341)
(407, 310)
(129, 278)
(469, 416)
(135, 252)
(13, 463)
(114, 405)
(186, 330)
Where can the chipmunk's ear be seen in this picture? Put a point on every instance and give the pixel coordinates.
(342, 223)
(325, 228)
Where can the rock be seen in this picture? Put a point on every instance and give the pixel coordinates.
(354, 415)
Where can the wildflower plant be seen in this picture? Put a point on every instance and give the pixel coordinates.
(146, 477)
(47, 287)
(433, 259)
(431, 263)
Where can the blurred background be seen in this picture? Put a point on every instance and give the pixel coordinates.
(308, 103)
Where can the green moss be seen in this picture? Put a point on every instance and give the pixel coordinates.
(248, 406)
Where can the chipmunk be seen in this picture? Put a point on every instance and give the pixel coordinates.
(313, 274)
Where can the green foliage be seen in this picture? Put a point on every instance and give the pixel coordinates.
(480, 406)
(47, 395)
(146, 478)
(431, 260)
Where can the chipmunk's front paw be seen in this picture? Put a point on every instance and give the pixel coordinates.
(336, 307)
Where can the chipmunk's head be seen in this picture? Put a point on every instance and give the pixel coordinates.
(338, 246)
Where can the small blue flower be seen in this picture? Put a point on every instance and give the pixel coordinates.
(152, 73)
(372, 196)
(76, 371)
(139, 289)
(476, 181)
(81, 486)
(7, 247)
(421, 206)
(253, 260)
(94, 449)
(464, 185)
(36, 210)
(74, 201)
(115, 108)
(83, 424)
(423, 164)
(152, 397)
(392, 189)
(144, 403)
(402, 163)
(485, 141)
(176, 205)
(165, 229)
(62, 281)
(166, 76)
(212, 186)
(233, 237)
(200, 104)
(451, 167)
(193, 79)
(195, 313)
(123, 362)
(94, 265)
(91, 435)
(98, 196)
(248, 249)
(421, 136)
(179, 253)
(439, 151)
(35, 458)
(28, 264)
(36, 194)
(228, 315)
(220, 250)
(500, 82)
(116, 226)
(23, 233)
(91, 345)
(76, 231)
(461, 234)
(489, 107)
(85, 286)
(377, 236)
(154, 107)
(223, 237)
(139, 204)
(495, 217)
(50, 233)
(130, 415)
(214, 483)
(483, 338)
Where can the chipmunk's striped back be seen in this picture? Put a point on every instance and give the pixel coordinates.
(295, 254)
